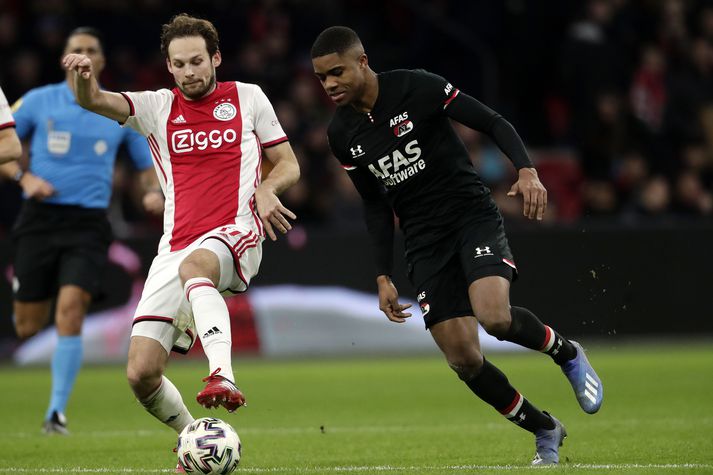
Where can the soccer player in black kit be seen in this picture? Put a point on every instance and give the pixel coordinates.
(392, 134)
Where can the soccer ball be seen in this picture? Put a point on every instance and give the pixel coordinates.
(208, 445)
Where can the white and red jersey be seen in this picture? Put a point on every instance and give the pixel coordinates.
(207, 155)
(6, 119)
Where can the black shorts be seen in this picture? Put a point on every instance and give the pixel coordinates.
(56, 245)
(479, 249)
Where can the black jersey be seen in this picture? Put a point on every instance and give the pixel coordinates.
(407, 146)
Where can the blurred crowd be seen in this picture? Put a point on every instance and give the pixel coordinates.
(614, 98)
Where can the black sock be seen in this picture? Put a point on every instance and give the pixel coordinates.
(527, 330)
(493, 387)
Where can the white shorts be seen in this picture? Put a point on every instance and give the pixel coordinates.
(163, 301)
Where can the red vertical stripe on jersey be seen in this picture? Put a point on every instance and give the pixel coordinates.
(153, 146)
(206, 155)
(258, 178)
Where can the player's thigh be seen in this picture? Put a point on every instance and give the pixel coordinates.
(84, 256)
(162, 301)
(36, 264)
(490, 294)
(239, 254)
(443, 294)
(458, 339)
(484, 248)
(150, 346)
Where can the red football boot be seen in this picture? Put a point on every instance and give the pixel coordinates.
(220, 391)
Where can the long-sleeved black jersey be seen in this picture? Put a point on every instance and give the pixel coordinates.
(405, 155)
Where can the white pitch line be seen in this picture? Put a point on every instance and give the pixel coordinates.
(375, 468)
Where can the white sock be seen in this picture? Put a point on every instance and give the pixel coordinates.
(166, 405)
(212, 319)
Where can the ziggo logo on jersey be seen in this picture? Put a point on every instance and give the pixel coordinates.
(186, 140)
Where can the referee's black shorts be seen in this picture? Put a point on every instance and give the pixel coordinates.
(442, 276)
(56, 245)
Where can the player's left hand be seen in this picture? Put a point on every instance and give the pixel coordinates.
(533, 192)
(271, 211)
(389, 300)
(153, 201)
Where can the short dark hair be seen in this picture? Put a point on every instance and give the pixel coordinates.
(86, 30)
(335, 39)
(183, 25)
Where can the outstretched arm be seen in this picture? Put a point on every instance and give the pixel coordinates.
(86, 89)
(474, 114)
(285, 173)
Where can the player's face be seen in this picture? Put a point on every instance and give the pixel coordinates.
(89, 46)
(192, 67)
(343, 77)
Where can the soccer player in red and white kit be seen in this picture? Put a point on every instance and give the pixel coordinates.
(207, 139)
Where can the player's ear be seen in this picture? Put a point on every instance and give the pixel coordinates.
(363, 61)
(169, 66)
(217, 59)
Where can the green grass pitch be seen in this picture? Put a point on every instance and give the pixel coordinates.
(388, 415)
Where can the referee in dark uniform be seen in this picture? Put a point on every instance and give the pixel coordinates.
(392, 134)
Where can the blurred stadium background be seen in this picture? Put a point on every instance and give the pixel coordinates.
(614, 99)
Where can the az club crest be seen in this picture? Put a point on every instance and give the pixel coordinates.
(403, 128)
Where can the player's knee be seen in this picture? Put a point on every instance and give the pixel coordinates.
(495, 319)
(467, 365)
(191, 267)
(142, 378)
(29, 319)
(26, 328)
(69, 319)
(73, 307)
(187, 270)
(200, 263)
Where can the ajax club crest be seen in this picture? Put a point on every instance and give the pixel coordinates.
(224, 111)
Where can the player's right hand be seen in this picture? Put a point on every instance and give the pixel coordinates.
(271, 211)
(154, 202)
(79, 63)
(389, 300)
(35, 187)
